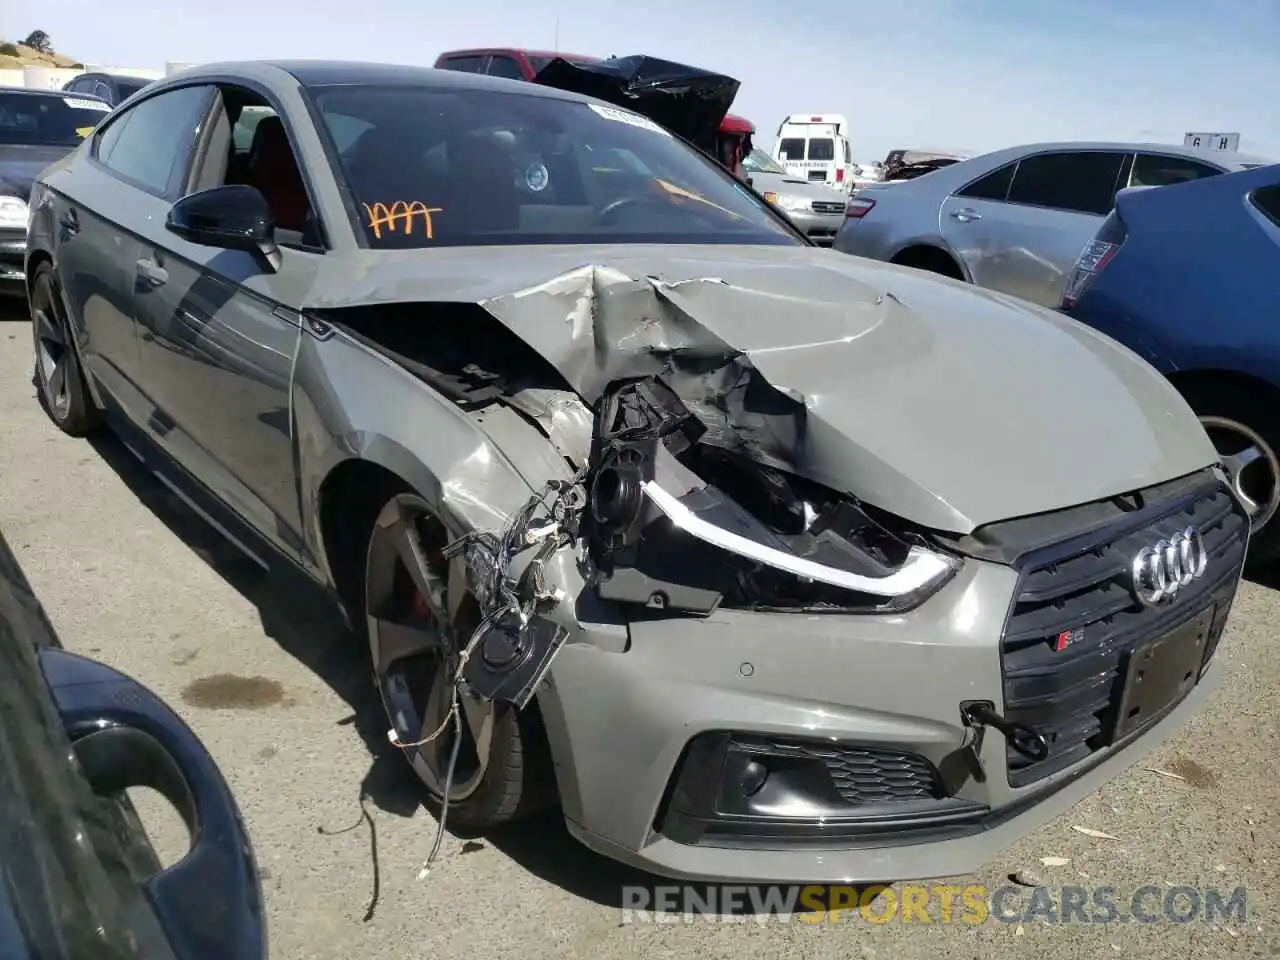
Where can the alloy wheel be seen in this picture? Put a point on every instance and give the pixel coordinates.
(53, 351)
(413, 651)
(1252, 466)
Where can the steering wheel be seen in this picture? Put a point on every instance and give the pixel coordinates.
(622, 203)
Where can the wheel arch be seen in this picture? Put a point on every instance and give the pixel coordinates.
(927, 255)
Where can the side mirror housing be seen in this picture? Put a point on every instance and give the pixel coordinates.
(234, 217)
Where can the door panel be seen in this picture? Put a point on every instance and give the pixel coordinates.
(219, 348)
(94, 260)
(1027, 243)
(1021, 250)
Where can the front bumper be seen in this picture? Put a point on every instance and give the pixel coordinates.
(13, 252)
(627, 725)
(819, 227)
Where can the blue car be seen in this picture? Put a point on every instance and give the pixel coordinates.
(1188, 276)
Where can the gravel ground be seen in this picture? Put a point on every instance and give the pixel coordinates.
(262, 670)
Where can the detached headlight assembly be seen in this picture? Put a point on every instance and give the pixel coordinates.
(13, 213)
(672, 523)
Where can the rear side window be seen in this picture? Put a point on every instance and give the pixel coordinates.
(994, 186)
(1079, 182)
(148, 142)
(505, 67)
(1154, 170)
(822, 149)
(464, 64)
(1267, 199)
(792, 148)
(848, 156)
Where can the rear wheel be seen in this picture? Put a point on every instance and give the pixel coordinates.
(58, 378)
(1246, 433)
(500, 771)
(931, 259)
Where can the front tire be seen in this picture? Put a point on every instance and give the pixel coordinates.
(1245, 431)
(58, 378)
(501, 773)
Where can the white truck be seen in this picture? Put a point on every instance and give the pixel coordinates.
(815, 147)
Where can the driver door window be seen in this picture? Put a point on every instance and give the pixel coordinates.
(503, 66)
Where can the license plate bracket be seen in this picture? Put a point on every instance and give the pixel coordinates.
(1160, 673)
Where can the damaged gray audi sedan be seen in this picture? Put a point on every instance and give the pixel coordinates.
(761, 561)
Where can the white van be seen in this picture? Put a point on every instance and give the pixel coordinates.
(815, 147)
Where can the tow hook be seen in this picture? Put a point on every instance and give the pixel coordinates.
(1026, 741)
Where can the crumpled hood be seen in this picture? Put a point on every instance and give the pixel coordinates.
(942, 403)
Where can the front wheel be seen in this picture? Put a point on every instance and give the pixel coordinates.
(499, 771)
(1246, 433)
(58, 378)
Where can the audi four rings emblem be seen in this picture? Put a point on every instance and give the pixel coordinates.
(1161, 570)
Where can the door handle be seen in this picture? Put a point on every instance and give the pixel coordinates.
(965, 215)
(151, 273)
(70, 224)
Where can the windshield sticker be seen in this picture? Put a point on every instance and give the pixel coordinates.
(78, 104)
(400, 215)
(536, 177)
(626, 116)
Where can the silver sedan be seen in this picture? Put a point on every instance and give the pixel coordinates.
(1015, 220)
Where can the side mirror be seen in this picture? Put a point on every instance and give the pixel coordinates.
(234, 217)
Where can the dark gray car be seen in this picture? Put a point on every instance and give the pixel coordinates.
(36, 128)
(763, 561)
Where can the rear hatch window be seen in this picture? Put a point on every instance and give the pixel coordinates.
(791, 148)
(822, 149)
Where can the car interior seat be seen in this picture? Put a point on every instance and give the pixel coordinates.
(272, 169)
(483, 196)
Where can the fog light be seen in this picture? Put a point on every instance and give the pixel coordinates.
(753, 778)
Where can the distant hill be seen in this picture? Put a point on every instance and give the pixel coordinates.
(16, 56)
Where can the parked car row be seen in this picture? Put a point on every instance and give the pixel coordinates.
(1189, 269)
(733, 548)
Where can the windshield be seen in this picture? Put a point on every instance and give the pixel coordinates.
(757, 161)
(48, 120)
(438, 167)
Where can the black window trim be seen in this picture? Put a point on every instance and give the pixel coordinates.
(1273, 218)
(957, 194)
(181, 164)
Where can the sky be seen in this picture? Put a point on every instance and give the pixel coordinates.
(923, 74)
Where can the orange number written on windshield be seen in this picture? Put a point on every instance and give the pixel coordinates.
(401, 216)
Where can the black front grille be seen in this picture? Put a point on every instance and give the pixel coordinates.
(828, 206)
(1080, 591)
(869, 775)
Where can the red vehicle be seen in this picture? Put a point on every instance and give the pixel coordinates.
(732, 145)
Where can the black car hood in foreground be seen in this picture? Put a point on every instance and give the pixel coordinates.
(21, 163)
(942, 403)
(78, 877)
(688, 101)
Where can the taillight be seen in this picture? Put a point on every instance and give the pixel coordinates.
(858, 207)
(839, 174)
(1099, 252)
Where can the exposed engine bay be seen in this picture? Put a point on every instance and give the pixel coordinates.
(685, 496)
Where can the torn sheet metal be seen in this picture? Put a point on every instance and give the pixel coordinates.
(921, 397)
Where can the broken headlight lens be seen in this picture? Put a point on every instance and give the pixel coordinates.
(677, 524)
